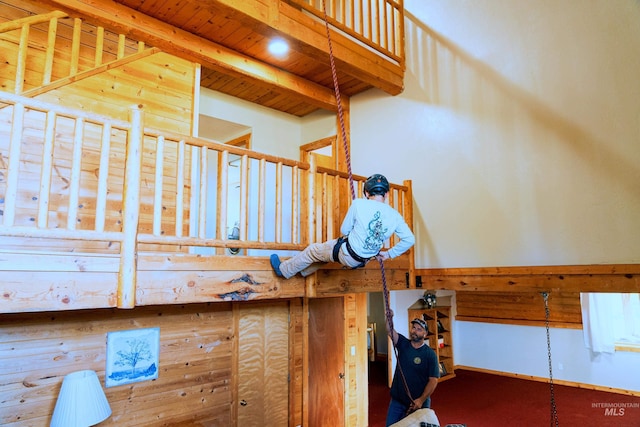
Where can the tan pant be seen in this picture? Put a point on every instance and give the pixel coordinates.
(314, 257)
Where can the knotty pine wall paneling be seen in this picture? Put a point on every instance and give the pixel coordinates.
(520, 308)
(199, 365)
(194, 381)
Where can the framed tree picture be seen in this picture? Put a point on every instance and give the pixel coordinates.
(132, 356)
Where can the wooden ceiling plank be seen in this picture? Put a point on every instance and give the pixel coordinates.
(197, 20)
(312, 41)
(188, 46)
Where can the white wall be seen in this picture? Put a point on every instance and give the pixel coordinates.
(523, 350)
(520, 132)
(519, 126)
(318, 125)
(272, 132)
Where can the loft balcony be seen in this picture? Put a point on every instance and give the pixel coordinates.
(230, 38)
(98, 212)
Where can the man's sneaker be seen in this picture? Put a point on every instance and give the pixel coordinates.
(275, 263)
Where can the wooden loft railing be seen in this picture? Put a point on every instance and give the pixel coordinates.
(378, 24)
(53, 38)
(81, 183)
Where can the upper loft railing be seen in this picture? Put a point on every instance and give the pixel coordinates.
(378, 24)
(45, 41)
(92, 181)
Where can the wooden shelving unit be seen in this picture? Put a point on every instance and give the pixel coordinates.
(440, 340)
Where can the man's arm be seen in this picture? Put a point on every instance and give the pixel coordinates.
(428, 390)
(407, 240)
(348, 220)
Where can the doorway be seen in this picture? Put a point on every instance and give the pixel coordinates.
(326, 362)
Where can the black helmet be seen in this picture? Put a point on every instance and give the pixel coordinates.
(376, 185)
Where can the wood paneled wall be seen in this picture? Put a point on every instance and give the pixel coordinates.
(520, 308)
(162, 84)
(197, 367)
(194, 381)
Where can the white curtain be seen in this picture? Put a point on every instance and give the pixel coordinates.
(608, 318)
(597, 312)
(631, 318)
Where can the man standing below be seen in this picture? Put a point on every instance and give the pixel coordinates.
(416, 375)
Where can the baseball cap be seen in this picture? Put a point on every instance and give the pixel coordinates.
(420, 322)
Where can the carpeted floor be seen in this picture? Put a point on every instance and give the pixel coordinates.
(484, 400)
(378, 394)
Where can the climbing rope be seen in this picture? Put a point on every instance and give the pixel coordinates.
(336, 88)
(554, 412)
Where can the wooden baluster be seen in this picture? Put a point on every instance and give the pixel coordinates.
(261, 199)
(158, 186)
(385, 25)
(223, 196)
(362, 14)
(13, 169)
(75, 46)
(278, 218)
(51, 49)
(45, 173)
(121, 45)
(312, 201)
(180, 189)
(336, 219)
(400, 39)
(103, 177)
(377, 34)
(324, 223)
(22, 59)
(204, 171)
(369, 33)
(244, 197)
(76, 170)
(408, 217)
(99, 47)
(194, 212)
(297, 235)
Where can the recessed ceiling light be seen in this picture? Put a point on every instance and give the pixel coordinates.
(278, 47)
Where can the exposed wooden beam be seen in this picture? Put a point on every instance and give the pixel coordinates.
(567, 278)
(188, 46)
(311, 38)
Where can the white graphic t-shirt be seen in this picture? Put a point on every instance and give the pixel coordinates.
(370, 223)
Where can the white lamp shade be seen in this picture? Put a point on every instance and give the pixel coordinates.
(81, 402)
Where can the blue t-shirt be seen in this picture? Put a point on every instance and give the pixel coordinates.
(418, 364)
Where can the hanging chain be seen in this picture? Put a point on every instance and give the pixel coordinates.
(554, 411)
